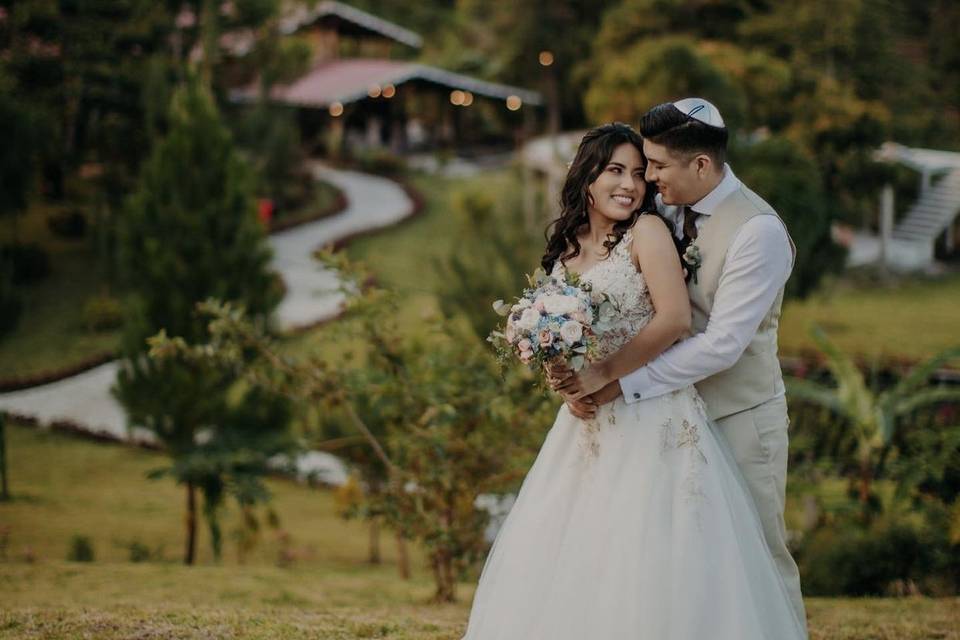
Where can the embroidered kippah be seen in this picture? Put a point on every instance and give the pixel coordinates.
(700, 109)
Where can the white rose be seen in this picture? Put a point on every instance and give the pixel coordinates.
(559, 304)
(529, 320)
(510, 332)
(571, 331)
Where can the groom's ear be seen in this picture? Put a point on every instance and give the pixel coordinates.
(704, 164)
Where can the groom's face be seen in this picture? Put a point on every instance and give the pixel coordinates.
(674, 174)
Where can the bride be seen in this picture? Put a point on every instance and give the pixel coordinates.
(634, 523)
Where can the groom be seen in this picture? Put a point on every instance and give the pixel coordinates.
(745, 256)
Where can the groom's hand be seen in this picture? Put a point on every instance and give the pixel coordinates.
(607, 394)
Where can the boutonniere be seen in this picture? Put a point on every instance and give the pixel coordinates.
(692, 260)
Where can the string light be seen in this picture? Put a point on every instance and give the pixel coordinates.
(457, 97)
(389, 91)
(546, 58)
(336, 109)
(374, 91)
(467, 99)
(514, 103)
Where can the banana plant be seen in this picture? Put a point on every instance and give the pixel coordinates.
(873, 415)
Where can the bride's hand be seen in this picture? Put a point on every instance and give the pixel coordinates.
(589, 380)
(558, 373)
(565, 381)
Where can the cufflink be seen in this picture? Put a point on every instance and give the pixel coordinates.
(636, 396)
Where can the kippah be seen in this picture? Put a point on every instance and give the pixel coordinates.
(700, 109)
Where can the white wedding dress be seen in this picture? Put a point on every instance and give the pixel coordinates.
(635, 525)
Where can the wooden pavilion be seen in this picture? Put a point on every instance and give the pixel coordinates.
(362, 93)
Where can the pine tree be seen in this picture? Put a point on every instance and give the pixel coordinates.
(190, 233)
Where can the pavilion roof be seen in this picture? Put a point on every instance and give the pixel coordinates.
(301, 16)
(350, 80)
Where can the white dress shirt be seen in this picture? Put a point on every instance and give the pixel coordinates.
(757, 266)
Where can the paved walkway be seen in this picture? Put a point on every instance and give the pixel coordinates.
(373, 202)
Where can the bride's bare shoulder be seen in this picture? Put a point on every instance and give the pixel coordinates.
(650, 223)
(651, 231)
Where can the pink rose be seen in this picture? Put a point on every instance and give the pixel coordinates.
(580, 316)
(539, 306)
(546, 338)
(526, 356)
(510, 332)
(525, 345)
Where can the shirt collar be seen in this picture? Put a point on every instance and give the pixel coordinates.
(727, 185)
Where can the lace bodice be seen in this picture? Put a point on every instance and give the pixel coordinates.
(618, 277)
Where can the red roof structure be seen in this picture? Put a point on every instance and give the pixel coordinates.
(351, 80)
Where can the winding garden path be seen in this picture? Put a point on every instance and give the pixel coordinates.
(373, 203)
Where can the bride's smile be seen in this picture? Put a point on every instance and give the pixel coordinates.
(617, 191)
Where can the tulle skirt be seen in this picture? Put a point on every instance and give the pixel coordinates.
(637, 525)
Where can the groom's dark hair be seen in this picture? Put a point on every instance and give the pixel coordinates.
(665, 124)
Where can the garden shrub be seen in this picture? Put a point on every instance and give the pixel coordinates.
(102, 313)
(380, 161)
(81, 549)
(139, 552)
(847, 559)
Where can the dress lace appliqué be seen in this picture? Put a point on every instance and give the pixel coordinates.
(617, 277)
(686, 439)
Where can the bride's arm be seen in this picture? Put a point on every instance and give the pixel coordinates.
(657, 258)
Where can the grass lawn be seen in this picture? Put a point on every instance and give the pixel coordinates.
(404, 257)
(63, 485)
(51, 334)
(908, 318)
(321, 199)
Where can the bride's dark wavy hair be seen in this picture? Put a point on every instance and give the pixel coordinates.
(593, 154)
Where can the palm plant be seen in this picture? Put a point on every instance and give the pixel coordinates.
(873, 415)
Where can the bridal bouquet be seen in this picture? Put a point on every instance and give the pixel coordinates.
(554, 319)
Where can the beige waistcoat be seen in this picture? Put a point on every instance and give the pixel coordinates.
(756, 376)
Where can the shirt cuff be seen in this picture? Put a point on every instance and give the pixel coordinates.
(636, 385)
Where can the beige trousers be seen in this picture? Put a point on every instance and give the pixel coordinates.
(758, 439)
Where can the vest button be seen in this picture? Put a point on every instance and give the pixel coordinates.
(636, 396)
